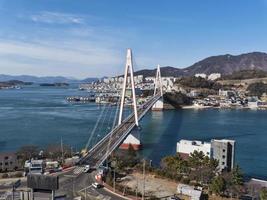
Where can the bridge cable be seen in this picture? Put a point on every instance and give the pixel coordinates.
(113, 125)
(102, 124)
(95, 127)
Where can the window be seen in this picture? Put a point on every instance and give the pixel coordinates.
(6, 163)
(223, 156)
(1, 164)
(223, 150)
(223, 163)
(6, 157)
(10, 162)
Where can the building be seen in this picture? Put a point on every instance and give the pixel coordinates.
(254, 186)
(214, 76)
(253, 102)
(150, 79)
(227, 93)
(201, 75)
(189, 191)
(186, 147)
(8, 161)
(223, 151)
(132, 140)
(36, 167)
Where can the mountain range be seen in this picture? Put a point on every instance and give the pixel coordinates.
(224, 64)
(45, 79)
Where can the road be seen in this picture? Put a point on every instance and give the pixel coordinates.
(73, 184)
(70, 184)
(98, 154)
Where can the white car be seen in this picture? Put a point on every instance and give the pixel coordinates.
(96, 185)
(86, 168)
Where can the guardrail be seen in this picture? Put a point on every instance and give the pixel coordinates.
(119, 141)
(147, 106)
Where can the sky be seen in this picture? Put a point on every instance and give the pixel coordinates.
(89, 38)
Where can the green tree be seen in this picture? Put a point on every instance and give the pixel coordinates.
(217, 185)
(56, 151)
(27, 152)
(237, 176)
(177, 99)
(257, 89)
(196, 159)
(263, 194)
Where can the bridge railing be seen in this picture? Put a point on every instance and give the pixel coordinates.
(150, 103)
(145, 107)
(110, 133)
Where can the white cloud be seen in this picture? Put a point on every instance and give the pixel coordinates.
(59, 58)
(56, 18)
(81, 51)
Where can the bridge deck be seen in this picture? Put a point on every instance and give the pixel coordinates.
(99, 153)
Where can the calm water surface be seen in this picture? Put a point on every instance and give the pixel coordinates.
(41, 116)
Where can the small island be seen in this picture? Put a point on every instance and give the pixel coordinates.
(54, 84)
(13, 84)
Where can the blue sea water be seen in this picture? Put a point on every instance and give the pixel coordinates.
(41, 116)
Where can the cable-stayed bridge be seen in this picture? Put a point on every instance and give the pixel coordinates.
(100, 151)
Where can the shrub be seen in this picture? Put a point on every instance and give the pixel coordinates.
(185, 180)
(5, 175)
(17, 174)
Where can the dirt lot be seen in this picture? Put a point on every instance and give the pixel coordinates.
(153, 186)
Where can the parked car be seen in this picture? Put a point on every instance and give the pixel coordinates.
(96, 185)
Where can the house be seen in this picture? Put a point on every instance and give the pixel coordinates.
(9, 161)
(189, 191)
(186, 147)
(201, 75)
(222, 150)
(214, 76)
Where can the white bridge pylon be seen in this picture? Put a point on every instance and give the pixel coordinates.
(133, 138)
(128, 69)
(158, 82)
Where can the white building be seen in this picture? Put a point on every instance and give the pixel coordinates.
(106, 80)
(120, 79)
(9, 161)
(150, 78)
(201, 75)
(214, 76)
(227, 93)
(222, 150)
(186, 147)
(36, 167)
(253, 102)
(189, 191)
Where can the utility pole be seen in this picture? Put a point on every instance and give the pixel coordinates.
(62, 150)
(136, 191)
(114, 179)
(71, 151)
(144, 179)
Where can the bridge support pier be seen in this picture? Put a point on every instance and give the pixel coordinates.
(133, 140)
(159, 105)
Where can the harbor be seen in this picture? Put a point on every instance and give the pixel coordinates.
(159, 134)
